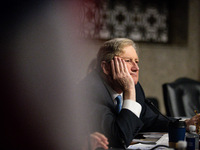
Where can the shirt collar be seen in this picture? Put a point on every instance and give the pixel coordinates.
(112, 92)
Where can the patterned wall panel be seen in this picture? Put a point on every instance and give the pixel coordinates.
(140, 20)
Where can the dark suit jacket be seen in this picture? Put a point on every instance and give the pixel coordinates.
(123, 127)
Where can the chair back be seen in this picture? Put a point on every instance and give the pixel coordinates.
(182, 97)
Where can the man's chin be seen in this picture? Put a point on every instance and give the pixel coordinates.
(135, 82)
(135, 79)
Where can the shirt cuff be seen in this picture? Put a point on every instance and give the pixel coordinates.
(133, 106)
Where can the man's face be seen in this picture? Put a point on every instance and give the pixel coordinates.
(131, 58)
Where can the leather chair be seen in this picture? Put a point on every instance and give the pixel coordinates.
(182, 97)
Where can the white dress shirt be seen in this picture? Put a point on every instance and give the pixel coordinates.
(129, 104)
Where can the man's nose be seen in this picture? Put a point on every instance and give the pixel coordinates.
(135, 66)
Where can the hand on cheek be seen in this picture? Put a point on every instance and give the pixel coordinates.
(121, 75)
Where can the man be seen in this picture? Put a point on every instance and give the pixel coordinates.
(117, 76)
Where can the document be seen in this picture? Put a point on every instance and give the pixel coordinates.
(150, 141)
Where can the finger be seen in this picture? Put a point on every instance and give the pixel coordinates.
(97, 142)
(95, 137)
(121, 66)
(113, 68)
(94, 141)
(103, 145)
(102, 137)
(125, 66)
(116, 64)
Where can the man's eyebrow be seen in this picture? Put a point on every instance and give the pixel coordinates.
(126, 57)
(129, 58)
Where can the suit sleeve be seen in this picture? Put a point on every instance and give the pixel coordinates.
(119, 128)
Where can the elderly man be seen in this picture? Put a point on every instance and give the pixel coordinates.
(118, 106)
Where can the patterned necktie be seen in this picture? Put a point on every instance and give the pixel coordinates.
(119, 101)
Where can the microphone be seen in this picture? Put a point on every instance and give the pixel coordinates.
(156, 109)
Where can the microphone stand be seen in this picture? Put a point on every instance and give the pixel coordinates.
(156, 109)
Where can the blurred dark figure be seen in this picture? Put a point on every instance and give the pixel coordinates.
(39, 57)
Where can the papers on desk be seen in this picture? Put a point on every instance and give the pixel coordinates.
(141, 146)
(151, 140)
(164, 140)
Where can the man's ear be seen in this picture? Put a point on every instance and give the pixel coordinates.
(105, 67)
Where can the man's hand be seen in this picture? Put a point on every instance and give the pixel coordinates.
(195, 120)
(98, 140)
(122, 78)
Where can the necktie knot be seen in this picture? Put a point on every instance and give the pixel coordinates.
(119, 105)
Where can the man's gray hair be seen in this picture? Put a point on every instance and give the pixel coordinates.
(112, 48)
